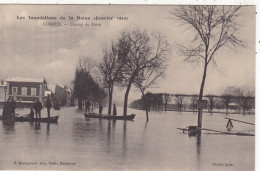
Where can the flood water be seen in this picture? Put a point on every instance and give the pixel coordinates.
(94, 144)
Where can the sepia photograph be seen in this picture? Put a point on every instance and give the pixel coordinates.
(127, 87)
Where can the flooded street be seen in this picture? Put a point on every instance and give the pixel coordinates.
(94, 144)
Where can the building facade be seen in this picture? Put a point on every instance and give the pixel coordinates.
(26, 90)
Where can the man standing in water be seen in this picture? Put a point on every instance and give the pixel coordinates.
(114, 110)
(38, 107)
(9, 109)
(12, 106)
(100, 109)
(48, 105)
(87, 106)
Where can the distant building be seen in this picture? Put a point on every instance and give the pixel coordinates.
(61, 94)
(26, 90)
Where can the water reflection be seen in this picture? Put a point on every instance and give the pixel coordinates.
(124, 140)
(37, 126)
(98, 144)
(198, 141)
(108, 135)
(8, 127)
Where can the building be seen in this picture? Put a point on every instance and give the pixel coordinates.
(26, 90)
(61, 94)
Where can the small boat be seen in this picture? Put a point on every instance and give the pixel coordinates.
(25, 118)
(111, 117)
(53, 119)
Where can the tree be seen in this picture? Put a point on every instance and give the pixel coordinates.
(215, 28)
(166, 100)
(146, 79)
(110, 69)
(84, 84)
(246, 103)
(179, 99)
(141, 51)
(211, 99)
(226, 100)
(194, 99)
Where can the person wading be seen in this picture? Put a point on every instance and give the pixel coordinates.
(31, 115)
(87, 106)
(114, 110)
(9, 109)
(100, 109)
(38, 107)
(48, 106)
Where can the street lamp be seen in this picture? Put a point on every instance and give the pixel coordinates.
(5, 89)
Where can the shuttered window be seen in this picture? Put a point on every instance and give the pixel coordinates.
(24, 91)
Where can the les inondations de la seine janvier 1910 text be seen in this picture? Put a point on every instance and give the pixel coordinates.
(77, 21)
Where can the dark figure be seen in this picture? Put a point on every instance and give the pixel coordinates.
(31, 115)
(87, 106)
(100, 109)
(12, 106)
(114, 110)
(38, 107)
(7, 110)
(48, 105)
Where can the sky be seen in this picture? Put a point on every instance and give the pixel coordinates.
(29, 49)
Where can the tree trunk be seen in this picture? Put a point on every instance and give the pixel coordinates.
(126, 97)
(79, 103)
(201, 93)
(110, 94)
(127, 93)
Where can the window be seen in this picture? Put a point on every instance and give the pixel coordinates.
(14, 91)
(19, 91)
(33, 91)
(24, 91)
(28, 91)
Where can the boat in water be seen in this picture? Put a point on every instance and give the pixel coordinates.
(26, 118)
(110, 117)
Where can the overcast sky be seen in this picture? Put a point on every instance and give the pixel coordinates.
(29, 49)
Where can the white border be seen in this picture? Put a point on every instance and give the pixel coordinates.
(183, 2)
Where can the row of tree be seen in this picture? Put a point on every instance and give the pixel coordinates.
(162, 101)
(137, 58)
(85, 87)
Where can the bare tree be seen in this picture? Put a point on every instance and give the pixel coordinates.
(179, 99)
(146, 79)
(141, 51)
(194, 99)
(246, 103)
(215, 28)
(211, 99)
(226, 100)
(166, 100)
(110, 68)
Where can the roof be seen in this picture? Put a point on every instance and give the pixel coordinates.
(25, 79)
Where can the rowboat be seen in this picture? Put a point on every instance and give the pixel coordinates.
(53, 119)
(110, 117)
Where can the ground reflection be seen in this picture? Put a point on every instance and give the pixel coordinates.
(8, 127)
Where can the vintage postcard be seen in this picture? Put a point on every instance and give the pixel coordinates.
(127, 87)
